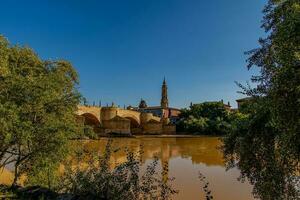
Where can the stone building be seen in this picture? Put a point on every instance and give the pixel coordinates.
(133, 120)
(163, 110)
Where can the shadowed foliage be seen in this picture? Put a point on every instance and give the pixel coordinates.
(98, 180)
(265, 143)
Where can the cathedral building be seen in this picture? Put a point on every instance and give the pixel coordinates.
(163, 110)
(144, 119)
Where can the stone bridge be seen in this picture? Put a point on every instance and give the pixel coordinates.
(118, 120)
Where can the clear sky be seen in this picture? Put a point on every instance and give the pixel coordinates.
(122, 49)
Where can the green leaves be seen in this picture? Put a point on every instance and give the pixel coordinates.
(266, 144)
(38, 100)
(205, 118)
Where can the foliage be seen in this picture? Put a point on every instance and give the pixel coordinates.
(205, 187)
(211, 110)
(88, 132)
(5, 192)
(205, 118)
(38, 100)
(99, 181)
(27, 193)
(194, 125)
(265, 144)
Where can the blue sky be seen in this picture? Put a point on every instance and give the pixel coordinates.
(122, 49)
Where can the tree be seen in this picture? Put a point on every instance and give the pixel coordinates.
(38, 100)
(211, 110)
(194, 125)
(267, 142)
(205, 118)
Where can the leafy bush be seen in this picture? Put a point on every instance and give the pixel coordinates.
(99, 181)
(195, 125)
(209, 118)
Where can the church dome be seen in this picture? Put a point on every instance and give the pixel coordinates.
(143, 104)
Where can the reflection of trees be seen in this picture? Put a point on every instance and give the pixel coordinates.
(199, 150)
(254, 148)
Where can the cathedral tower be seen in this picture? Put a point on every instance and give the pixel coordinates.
(164, 95)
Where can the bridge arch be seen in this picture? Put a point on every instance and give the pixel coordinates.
(90, 119)
(95, 111)
(133, 122)
(133, 116)
(115, 119)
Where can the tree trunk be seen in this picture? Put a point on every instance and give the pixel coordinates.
(16, 173)
(16, 168)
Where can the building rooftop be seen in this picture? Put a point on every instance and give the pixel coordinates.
(244, 99)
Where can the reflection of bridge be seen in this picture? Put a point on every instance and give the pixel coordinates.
(117, 120)
(200, 150)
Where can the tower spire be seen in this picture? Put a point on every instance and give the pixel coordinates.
(164, 95)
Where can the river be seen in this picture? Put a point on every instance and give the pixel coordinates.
(187, 156)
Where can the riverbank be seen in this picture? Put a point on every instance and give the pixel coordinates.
(148, 136)
(172, 136)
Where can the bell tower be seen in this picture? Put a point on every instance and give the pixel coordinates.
(164, 102)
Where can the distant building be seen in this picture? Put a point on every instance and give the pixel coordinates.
(226, 106)
(133, 120)
(163, 111)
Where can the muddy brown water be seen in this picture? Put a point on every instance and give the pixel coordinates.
(186, 156)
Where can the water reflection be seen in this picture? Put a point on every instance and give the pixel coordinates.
(198, 150)
(186, 157)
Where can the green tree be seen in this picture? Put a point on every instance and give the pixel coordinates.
(205, 118)
(38, 100)
(266, 143)
(195, 125)
(210, 110)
